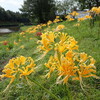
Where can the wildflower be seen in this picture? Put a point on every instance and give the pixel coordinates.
(96, 10)
(67, 67)
(5, 42)
(57, 17)
(7, 49)
(51, 65)
(19, 40)
(32, 31)
(72, 44)
(43, 25)
(19, 66)
(22, 47)
(65, 42)
(88, 17)
(15, 43)
(31, 38)
(47, 40)
(24, 36)
(61, 47)
(22, 33)
(86, 67)
(63, 37)
(81, 19)
(71, 19)
(68, 16)
(56, 20)
(60, 27)
(49, 22)
(38, 33)
(74, 13)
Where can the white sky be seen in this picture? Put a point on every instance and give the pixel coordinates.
(12, 5)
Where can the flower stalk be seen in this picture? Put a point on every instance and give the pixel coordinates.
(56, 98)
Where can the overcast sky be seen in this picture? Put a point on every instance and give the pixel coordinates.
(12, 5)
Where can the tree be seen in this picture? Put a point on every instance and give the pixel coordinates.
(65, 5)
(88, 3)
(39, 9)
(10, 16)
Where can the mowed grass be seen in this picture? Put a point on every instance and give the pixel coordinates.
(88, 41)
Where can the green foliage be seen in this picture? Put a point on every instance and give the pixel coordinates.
(88, 4)
(88, 41)
(10, 16)
(43, 10)
(64, 6)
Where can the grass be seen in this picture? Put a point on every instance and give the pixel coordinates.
(88, 42)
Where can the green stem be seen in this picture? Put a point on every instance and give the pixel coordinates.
(99, 26)
(68, 92)
(7, 88)
(45, 89)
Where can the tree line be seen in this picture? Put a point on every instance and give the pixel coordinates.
(41, 11)
(7, 16)
(44, 10)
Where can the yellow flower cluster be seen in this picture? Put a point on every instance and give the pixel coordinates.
(47, 40)
(67, 61)
(96, 10)
(88, 17)
(71, 65)
(69, 18)
(34, 29)
(19, 66)
(81, 19)
(60, 27)
(74, 13)
(65, 42)
(49, 22)
(57, 19)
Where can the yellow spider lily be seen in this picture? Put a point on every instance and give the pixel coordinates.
(20, 65)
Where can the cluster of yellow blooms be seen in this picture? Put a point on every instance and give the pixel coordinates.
(18, 67)
(47, 40)
(69, 18)
(74, 13)
(71, 65)
(95, 10)
(59, 27)
(57, 19)
(67, 61)
(66, 42)
(49, 22)
(34, 29)
(81, 19)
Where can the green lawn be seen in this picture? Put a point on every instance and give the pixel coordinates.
(88, 41)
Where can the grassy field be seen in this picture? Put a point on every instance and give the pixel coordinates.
(88, 41)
